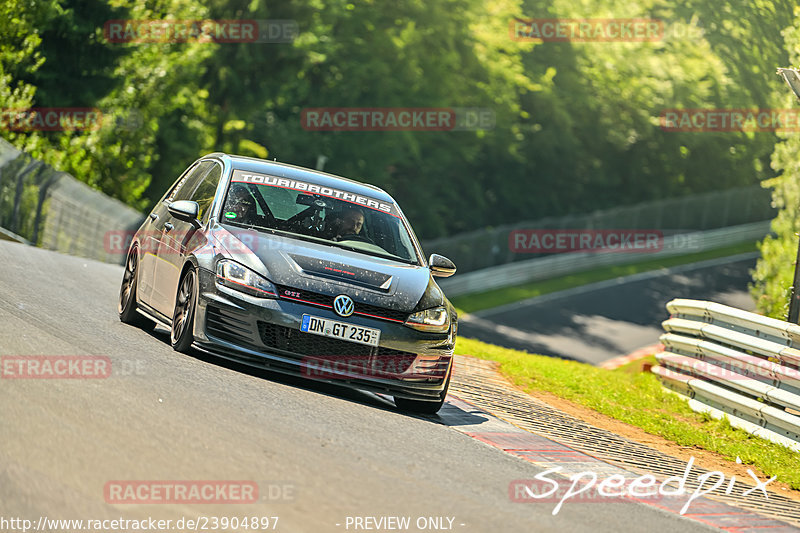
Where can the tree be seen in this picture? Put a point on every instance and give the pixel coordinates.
(772, 278)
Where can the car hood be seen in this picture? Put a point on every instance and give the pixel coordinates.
(298, 264)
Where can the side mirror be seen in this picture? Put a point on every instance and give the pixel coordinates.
(186, 211)
(441, 266)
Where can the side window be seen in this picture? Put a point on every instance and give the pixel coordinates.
(205, 191)
(183, 189)
(170, 196)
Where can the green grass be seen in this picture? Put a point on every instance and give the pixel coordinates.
(484, 300)
(639, 400)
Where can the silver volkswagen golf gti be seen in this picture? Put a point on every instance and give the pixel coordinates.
(297, 271)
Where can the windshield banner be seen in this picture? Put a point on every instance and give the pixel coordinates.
(240, 176)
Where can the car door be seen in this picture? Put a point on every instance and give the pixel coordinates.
(151, 238)
(165, 232)
(177, 233)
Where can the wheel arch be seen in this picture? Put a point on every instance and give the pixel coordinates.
(190, 264)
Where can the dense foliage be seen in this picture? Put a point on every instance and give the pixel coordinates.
(772, 279)
(577, 124)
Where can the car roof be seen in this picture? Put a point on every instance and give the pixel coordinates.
(284, 170)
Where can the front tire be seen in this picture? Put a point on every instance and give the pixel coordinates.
(422, 407)
(126, 307)
(181, 335)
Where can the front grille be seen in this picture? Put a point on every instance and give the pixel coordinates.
(380, 312)
(307, 344)
(322, 300)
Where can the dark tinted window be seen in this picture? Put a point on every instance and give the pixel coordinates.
(186, 186)
(205, 191)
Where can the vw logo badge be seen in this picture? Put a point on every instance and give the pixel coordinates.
(343, 305)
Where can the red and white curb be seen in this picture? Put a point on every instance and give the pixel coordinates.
(548, 454)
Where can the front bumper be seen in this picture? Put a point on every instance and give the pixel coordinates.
(266, 333)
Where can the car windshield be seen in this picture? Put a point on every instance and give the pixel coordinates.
(335, 216)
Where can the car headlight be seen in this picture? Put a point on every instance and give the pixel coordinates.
(434, 320)
(232, 274)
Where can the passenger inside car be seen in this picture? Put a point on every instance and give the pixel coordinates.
(241, 204)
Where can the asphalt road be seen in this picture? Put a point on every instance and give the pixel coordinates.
(604, 320)
(318, 453)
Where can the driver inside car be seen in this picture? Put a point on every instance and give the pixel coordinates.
(350, 222)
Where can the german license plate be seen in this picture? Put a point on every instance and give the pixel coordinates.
(340, 330)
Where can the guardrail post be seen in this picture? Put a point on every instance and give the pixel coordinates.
(18, 194)
(42, 196)
(792, 78)
(794, 304)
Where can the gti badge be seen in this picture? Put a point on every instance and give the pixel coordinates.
(343, 305)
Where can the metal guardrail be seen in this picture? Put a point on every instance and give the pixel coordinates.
(489, 247)
(521, 272)
(42, 206)
(734, 363)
